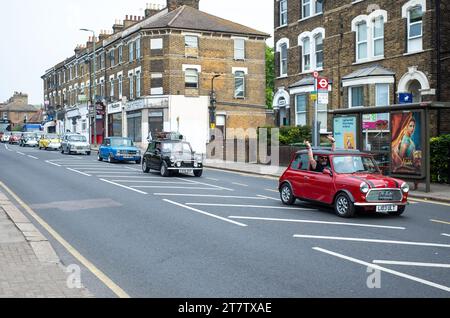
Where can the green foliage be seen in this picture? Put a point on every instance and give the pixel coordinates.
(440, 157)
(17, 128)
(270, 76)
(295, 135)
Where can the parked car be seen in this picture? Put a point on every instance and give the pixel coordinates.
(14, 138)
(170, 156)
(28, 139)
(75, 143)
(119, 149)
(351, 181)
(6, 136)
(50, 141)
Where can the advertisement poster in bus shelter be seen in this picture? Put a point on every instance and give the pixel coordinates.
(345, 132)
(407, 143)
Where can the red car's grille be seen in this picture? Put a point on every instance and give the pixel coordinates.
(384, 195)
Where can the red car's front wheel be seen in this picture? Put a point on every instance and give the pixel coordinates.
(343, 206)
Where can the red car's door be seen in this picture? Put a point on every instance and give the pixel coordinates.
(296, 172)
(319, 186)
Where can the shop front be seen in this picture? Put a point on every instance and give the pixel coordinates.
(115, 120)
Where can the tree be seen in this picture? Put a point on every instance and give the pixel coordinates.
(270, 76)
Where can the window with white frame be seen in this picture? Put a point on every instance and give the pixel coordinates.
(120, 54)
(131, 78)
(283, 59)
(239, 84)
(131, 51)
(306, 54)
(191, 42)
(191, 78)
(283, 12)
(378, 36)
(356, 96)
(306, 8)
(138, 84)
(102, 88)
(318, 39)
(111, 87)
(239, 49)
(361, 41)
(311, 8)
(76, 70)
(102, 60)
(138, 49)
(300, 109)
(112, 58)
(415, 32)
(369, 35)
(120, 86)
(382, 94)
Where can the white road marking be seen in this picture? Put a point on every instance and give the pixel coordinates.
(207, 196)
(6, 147)
(270, 198)
(122, 186)
(126, 176)
(318, 222)
(208, 184)
(206, 213)
(33, 157)
(411, 264)
(376, 267)
(84, 174)
(170, 187)
(240, 184)
(20, 153)
(271, 190)
(370, 240)
(145, 181)
(52, 163)
(212, 179)
(248, 206)
(112, 172)
(134, 169)
(444, 234)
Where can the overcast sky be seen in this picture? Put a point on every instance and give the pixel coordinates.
(36, 35)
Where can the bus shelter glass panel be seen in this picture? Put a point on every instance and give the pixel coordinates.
(377, 138)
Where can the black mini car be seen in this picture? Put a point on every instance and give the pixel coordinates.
(171, 156)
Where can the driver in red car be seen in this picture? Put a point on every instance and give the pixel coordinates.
(323, 162)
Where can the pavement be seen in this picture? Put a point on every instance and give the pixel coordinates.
(29, 266)
(439, 192)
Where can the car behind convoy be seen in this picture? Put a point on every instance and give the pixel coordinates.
(75, 143)
(5, 137)
(352, 182)
(29, 139)
(50, 141)
(119, 149)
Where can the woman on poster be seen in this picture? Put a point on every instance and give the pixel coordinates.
(403, 146)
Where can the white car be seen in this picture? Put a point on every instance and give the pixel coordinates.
(6, 136)
(75, 143)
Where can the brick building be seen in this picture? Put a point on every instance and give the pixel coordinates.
(156, 73)
(17, 111)
(371, 51)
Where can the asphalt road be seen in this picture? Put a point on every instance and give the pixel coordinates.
(224, 235)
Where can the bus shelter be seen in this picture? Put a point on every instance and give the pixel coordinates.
(397, 135)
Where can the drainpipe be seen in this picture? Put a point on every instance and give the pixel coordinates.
(438, 57)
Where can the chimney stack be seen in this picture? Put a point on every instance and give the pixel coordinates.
(174, 4)
(117, 27)
(152, 9)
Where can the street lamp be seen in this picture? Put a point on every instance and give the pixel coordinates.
(93, 84)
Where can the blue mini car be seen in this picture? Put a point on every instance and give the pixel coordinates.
(119, 149)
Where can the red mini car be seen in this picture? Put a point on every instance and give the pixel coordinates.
(347, 180)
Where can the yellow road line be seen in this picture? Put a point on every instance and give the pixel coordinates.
(91, 267)
(438, 221)
(428, 201)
